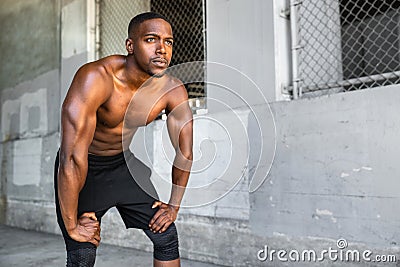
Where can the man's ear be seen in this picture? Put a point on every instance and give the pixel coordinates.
(129, 46)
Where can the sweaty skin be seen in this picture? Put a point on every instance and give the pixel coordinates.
(92, 121)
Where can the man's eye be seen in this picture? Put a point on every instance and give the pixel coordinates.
(149, 39)
(169, 43)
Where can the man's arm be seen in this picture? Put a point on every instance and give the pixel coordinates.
(180, 129)
(78, 123)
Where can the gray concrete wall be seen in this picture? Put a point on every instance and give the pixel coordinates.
(74, 48)
(335, 172)
(29, 140)
(240, 34)
(30, 110)
(30, 43)
(29, 101)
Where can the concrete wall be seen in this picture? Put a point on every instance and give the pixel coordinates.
(335, 172)
(30, 43)
(29, 139)
(240, 34)
(29, 101)
(74, 41)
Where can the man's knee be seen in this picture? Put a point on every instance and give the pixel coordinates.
(166, 245)
(83, 257)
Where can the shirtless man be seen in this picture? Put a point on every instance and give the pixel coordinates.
(91, 169)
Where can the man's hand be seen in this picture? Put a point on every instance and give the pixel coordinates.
(87, 229)
(163, 217)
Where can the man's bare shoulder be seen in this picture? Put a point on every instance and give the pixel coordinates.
(98, 75)
(94, 81)
(169, 85)
(176, 88)
(175, 92)
(103, 68)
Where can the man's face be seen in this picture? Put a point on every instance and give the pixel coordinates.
(152, 46)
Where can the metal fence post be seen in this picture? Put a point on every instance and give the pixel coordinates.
(295, 46)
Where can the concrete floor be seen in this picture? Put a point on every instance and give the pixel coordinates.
(21, 248)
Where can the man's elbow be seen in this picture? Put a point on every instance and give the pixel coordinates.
(187, 154)
(183, 160)
(71, 164)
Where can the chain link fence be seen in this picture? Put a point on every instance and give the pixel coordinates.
(188, 24)
(346, 44)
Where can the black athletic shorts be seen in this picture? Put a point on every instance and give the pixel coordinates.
(109, 183)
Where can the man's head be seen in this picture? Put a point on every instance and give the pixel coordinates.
(139, 19)
(150, 42)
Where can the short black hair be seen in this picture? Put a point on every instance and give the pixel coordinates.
(139, 19)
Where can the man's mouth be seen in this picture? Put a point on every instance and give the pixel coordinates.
(160, 62)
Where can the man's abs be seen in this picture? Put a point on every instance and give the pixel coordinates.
(108, 142)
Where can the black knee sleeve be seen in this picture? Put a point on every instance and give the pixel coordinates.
(166, 245)
(83, 257)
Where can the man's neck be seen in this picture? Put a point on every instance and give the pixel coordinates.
(133, 75)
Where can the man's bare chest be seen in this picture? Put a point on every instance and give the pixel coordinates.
(111, 113)
(134, 109)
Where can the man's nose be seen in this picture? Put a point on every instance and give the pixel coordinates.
(161, 48)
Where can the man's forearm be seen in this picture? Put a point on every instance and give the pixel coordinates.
(70, 183)
(180, 128)
(179, 179)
